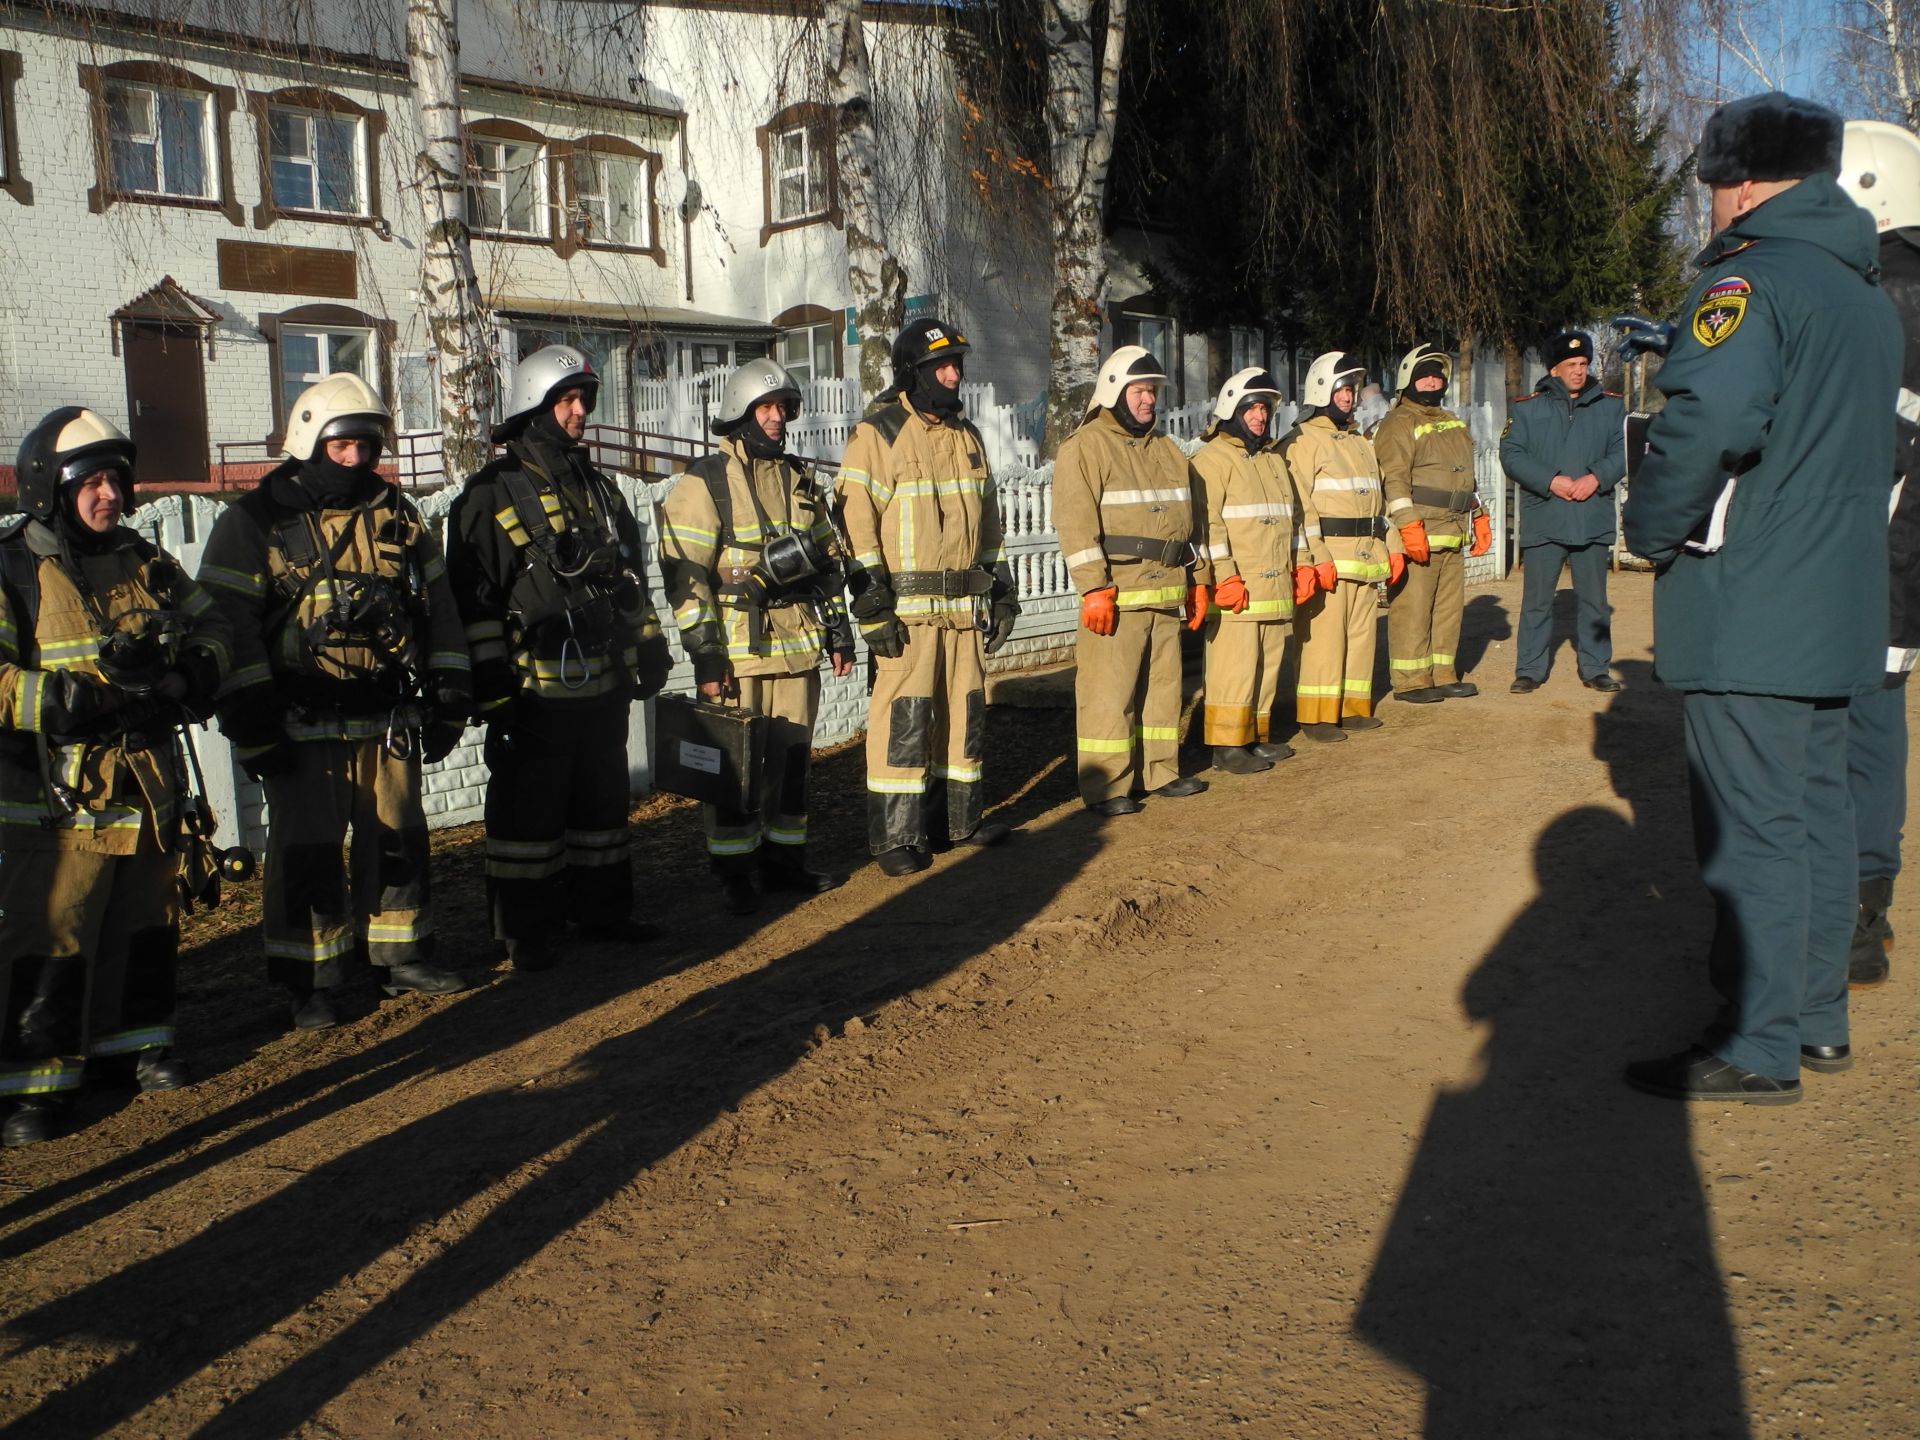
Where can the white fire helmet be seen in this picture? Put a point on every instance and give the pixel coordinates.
(1880, 169)
(1252, 383)
(1126, 366)
(340, 407)
(1326, 375)
(1403, 378)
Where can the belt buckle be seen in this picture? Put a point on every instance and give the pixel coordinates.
(953, 585)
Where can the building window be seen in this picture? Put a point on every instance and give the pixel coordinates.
(1244, 349)
(507, 184)
(416, 397)
(612, 199)
(316, 161)
(308, 355)
(12, 180)
(160, 141)
(799, 172)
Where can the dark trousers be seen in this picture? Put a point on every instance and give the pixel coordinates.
(1593, 618)
(557, 801)
(1877, 775)
(1773, 827)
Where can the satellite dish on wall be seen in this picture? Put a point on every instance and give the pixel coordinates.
(690, 202)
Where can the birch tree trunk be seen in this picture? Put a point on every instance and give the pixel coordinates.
(876, 279)
(458, 331)
(1083, 101)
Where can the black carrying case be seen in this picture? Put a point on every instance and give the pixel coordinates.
(708, 752)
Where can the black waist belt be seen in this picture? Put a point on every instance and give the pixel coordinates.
(947, 584)
(1372, 526)
(1458, 501)
(1163, 552)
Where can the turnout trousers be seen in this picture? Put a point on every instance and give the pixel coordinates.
(1338, 635)
(926, 740)
(1423, 623)
(88, 949)
(346, 865)
(558, 793)
(1243, 679)
(734, 837)
(1593, 616)
(1773, 828)
(1877, 775)
(1126, 696)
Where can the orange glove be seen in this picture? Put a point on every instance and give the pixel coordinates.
(1396, 567)
(1305, 582)
(1328, 575)
(1099, 610)
(1197, 597)
(1231, 594)
(1482, 535)
(1413, 535)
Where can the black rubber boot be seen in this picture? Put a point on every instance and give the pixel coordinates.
(27, 1123)
(781, 870)
(902, 860)
(1239, 760)
(1272, 750)
(421, 978)
(160, 1070)
(739, 894)
(314, 1012)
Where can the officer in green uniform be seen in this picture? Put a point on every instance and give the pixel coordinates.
(1565, 446)
(1763, 502)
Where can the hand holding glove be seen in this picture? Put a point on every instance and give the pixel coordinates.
(888, 639)
(1396, 567)
(1413, 535)
(1482, 536)
(1100, 610)
(650, 672)
(1231, 594)
(1305, 584)
(1198, 597)
(1006, 612)
(439, 740)
(72, 704)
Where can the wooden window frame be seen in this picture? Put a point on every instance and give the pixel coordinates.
(515, 132)
(568, 241)
(325, 317)
(373, 129)
(818, 120)
(94, 80)
(805, 317)
(12, 182)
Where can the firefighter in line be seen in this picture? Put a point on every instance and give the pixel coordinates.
(1258, 529)
(106, 648)
(1133, 533)
(1426, 464)
(1334, 467)
(351, 672)
(545, 559)
(754, 575)
(932, 593)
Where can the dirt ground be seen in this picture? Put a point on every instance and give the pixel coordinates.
(1288, 1110)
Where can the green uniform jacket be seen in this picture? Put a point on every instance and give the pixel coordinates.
(1553, 433)
(1783, 373)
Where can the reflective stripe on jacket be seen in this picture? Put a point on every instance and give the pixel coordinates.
(1108, 481)
(1426, 446)
(1336, 467)
(1256, 524)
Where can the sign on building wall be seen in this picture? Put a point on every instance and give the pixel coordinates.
(917, 305)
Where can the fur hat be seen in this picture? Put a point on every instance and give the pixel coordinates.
(1769, 137)
(1569, 345)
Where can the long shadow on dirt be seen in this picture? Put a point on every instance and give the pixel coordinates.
(582, 1133)
(1550, 1269)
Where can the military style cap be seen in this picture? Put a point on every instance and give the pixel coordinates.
(1775, 136)
(1569, 345)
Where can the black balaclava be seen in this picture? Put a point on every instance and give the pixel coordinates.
(74, 532)
(1342, 418)
(1127, 423)
(929, 396)
(333, 485)
(549, 431)
(1420, 372)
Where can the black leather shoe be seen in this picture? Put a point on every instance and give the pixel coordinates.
(1827, 1059)
(1118, 805)
(314, 1012)
(987, 832)
(1431, 695)
(1272, 750)
(1239, 760)
(1605, 684)
(532, 952)
(420, 978)
(1699, 1074)
(1523, 685)
(28, 1123)
(157, 1070)
(624, 931)
(739, 895)
(797, 878)
(902, 860)
(1181, 788)
(1325, 734)
(1459, 690)
(1361, 722)
(1867, 963)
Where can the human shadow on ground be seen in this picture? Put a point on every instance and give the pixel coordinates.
(581, 1134)
(1026, 776)
(1549, 1270)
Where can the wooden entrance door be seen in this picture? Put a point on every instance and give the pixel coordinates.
(166, 399)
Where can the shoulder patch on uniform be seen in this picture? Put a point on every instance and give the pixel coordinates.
(1723, 305)
(887, 423)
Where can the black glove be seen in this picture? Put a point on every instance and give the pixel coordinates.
(439, 739)
(276, 759)
(1638, 333)
(493, 680)
(202, 674)
(1006, 612)
(888, 639)
(874, 599)
(73, 705)
(655, 663)
(711, 667)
